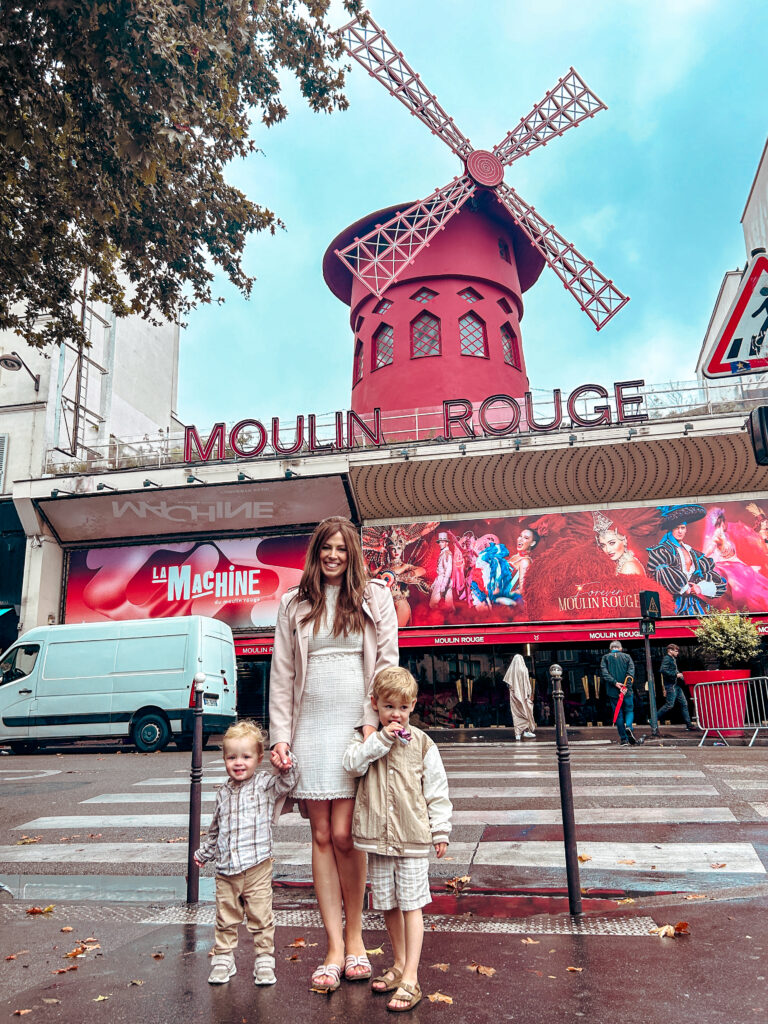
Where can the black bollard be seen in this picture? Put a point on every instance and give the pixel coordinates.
(566, 794)
(195, 784)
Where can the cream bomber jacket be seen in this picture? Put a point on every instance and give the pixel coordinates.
(402, 806)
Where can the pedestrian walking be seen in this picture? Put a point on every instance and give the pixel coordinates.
(240, 840)
(401, 810)
(673, 691)
(521, 699)
(334, 633)
(618, 672)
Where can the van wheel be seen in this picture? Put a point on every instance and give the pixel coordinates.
(26, 747)
(150, 733)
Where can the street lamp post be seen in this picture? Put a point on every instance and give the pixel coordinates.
(566, 794)
(195, 783)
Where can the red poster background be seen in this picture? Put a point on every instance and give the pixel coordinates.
(132, 582)
(486, 571)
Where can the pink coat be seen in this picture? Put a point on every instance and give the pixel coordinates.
(289, 657)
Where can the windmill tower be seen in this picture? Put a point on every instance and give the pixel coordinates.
(436, 299)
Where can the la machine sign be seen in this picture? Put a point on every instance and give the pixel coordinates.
(497, 416)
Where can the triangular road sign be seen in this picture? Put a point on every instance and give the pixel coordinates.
(742, 342)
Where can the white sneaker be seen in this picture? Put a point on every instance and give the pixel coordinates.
(529, 735)
(264, 970)
(222, 969)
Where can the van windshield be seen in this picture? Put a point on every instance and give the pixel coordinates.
(18, 663)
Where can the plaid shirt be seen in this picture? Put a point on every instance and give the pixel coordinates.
(240, 833)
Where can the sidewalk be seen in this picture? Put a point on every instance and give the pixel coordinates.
(149, 963)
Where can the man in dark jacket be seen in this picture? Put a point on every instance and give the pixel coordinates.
(672, 678)
(618, 672)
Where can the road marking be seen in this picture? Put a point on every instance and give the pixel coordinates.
(745, 784)
(762, 809)
(21, 774)
(529, 792)
(586, 816)
(578, 773)
(738, 858)
(149, 798)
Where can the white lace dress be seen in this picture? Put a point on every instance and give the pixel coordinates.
(331, 706)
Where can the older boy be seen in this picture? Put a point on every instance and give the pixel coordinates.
(240, 838)
(401, 810)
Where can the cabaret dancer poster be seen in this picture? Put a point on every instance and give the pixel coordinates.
(575, 566)
(237, 581)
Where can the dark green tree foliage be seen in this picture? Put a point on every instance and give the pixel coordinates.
(117, 120)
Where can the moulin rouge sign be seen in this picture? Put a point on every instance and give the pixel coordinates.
(496, 416)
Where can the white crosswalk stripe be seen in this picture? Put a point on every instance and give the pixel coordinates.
(615, 791)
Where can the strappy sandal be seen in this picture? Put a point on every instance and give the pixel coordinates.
(326, 971)
(411, 998)
(388, 985)
(350, 962)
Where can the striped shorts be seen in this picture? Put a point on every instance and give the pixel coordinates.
(399, 882)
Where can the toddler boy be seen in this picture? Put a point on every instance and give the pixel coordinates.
(240, 839)
(401, 809)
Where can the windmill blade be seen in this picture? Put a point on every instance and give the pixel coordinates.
(378, 258)
(596, 295)
(368, 45)
(565, 106)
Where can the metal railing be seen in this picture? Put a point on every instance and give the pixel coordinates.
(730, 708)
(675, 400)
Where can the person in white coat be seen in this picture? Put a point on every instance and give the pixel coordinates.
(521, 699)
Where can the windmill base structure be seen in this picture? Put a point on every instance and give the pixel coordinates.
(448, 326)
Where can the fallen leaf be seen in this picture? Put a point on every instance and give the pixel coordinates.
(441, 967)
(717, 866)
(695, 896)
(95, 835)
(27, 841)
(293, 956)
(488, 972)
(528, 941)
(51, 1002)
(63, 970)
(20, 1013)
(67, 928)
(552, 976)
(39, 910)
(627, 899)
(379, 951)
(682, 928)
(459, 883)
(136, 981)
(438, 997)
(100, 999)
(11, 957)
(664, 931)
(298, 943)
(91, 938)
(158, 956)
(77, 951)
(575, 970)
(626, 860)
(90, 949)
(584, 857)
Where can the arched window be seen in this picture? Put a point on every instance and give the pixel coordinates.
(383, 346)
(425, 336)
(472, 335)
(357, 368)
(511, 346)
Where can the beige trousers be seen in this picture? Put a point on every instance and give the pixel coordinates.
(522, 713)
(250, 891)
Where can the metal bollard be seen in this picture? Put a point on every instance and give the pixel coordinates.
(195, 784)
(566, 794)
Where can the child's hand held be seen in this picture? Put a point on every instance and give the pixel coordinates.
(440, 849)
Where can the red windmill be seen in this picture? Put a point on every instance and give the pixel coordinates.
(423, 283)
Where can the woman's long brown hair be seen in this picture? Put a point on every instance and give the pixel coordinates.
(349, 617)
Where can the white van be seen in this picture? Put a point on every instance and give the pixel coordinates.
(132, 679)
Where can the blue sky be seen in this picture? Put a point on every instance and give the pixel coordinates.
(652, 190)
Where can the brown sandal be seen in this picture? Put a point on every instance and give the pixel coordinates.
(411, 998)
(389, 986)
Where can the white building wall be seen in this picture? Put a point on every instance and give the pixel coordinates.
(754, 220)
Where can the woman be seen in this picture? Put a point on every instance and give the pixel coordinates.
(333, 634)
(749, 588)
(521, 560)
(615, 545)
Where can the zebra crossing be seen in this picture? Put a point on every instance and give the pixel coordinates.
(495, 788)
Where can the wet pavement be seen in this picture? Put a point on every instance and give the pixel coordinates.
(149, 963)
